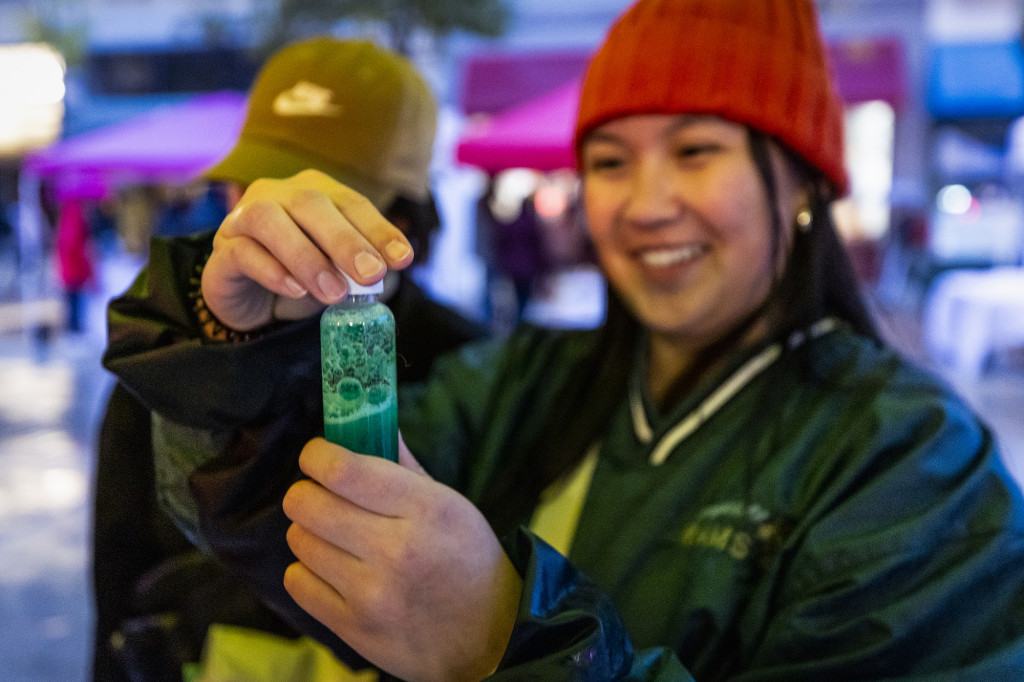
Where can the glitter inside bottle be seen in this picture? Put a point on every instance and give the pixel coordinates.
(357, 362)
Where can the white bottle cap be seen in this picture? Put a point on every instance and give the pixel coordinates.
(356, 288)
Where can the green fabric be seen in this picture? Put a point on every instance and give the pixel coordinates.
(843, 517)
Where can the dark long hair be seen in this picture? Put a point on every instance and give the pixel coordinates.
(818, 280)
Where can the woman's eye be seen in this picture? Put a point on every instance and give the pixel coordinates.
(604, 163)
(692, 151)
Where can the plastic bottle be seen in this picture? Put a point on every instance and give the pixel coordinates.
(357, 362)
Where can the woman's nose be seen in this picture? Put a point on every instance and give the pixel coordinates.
(653, 196)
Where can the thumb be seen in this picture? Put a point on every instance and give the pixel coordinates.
(406, 459)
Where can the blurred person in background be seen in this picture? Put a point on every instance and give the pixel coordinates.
(510, 239)
(356, 113)
(734, 478)
(76, 260)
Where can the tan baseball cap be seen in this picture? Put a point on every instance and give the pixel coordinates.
(358, 112)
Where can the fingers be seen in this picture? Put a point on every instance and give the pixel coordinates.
(365, 623)
(267, 245)
(249, 257)
(345, 525)
(384, 238)
(372, 483)
(425, 595)
(345, 225)
(259, 257)
(353, 235)
(242, 272)
(324, 243)
(316, 596)
(332, 563)
(294, 238)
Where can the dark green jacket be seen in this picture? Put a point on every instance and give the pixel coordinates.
(839, 515)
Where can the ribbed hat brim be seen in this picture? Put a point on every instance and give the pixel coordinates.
(252, 159)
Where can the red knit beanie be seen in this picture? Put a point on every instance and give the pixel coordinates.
(761, 63)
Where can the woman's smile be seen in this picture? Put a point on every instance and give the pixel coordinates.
(670, 266)
(659, 258)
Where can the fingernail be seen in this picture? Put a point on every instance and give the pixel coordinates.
(367, 264)
(397, 250)
(330, 286)
(294, 287)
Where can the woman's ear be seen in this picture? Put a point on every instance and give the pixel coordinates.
(803, 205)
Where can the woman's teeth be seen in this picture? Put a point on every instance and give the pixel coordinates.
(665, 257)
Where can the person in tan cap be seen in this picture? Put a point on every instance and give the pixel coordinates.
(347, 108)
(733, 478)
(341, 109)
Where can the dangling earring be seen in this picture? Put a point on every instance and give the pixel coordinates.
(804, 220)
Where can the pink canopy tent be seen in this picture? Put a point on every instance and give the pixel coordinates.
(172, 143)
(536, 134)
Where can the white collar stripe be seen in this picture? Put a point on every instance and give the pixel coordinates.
(713, 402)
(641, 426)
(730, 387)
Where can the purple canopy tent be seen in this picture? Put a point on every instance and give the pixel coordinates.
(536, 134)
(169, 144)
(172, 143)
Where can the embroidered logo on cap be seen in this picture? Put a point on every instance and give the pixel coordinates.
(305, 99)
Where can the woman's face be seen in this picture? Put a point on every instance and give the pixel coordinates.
(679, 219)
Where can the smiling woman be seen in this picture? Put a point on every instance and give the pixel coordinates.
(723, 481)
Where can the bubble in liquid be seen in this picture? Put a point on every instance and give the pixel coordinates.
(350, 395)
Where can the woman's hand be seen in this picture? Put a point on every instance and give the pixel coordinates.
(402, 568)
(278, 254)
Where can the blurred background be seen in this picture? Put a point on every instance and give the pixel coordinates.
(109, 109)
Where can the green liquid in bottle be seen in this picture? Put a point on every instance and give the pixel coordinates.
(357, 353)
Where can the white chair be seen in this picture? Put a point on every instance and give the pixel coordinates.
(969, 314)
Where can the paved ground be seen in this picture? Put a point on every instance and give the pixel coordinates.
(51, 396)
(48, 404)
